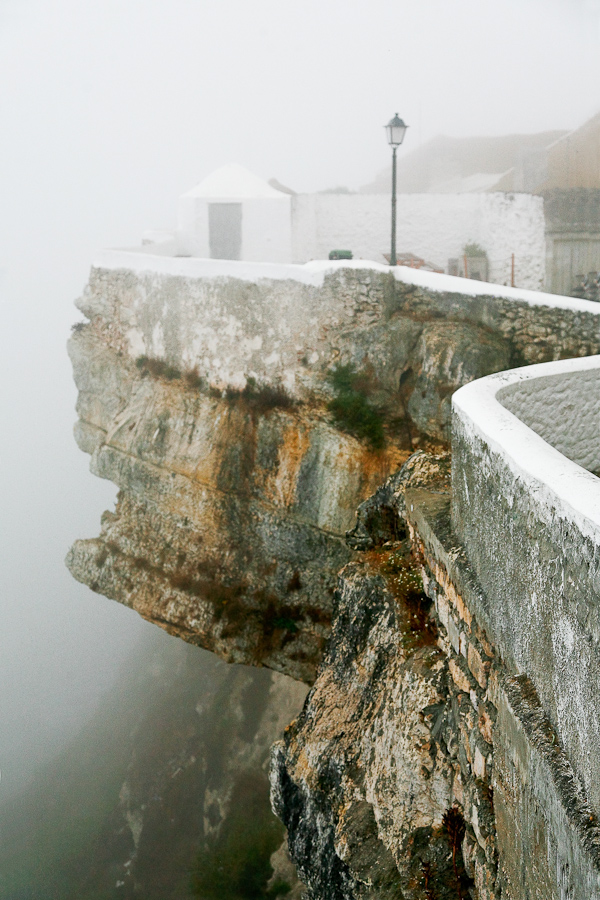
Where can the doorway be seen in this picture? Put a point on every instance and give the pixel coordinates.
(225, 230)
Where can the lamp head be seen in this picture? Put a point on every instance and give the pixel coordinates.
(396, 129)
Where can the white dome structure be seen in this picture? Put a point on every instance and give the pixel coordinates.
(234, 214)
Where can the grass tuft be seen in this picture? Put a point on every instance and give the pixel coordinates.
(351, 407)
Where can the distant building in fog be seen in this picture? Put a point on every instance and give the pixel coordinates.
(233, 214)
(562, 167)
(532, 202)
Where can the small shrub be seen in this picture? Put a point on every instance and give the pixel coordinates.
(157, 368)
(261, 397)
(351, 408)
(266, 396)
(193, 379)
(404, 581)
(474, 249)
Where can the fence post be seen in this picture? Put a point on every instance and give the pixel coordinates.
(512, 270)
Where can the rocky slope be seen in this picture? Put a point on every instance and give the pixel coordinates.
(364, 778)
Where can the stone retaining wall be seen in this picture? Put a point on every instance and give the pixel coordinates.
(531, 831)
(529, 519)
(526, 515)
(420, 335)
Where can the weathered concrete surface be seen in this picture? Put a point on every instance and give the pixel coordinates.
(564, 409)
(529, 519)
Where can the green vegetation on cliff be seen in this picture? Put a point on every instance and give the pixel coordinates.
(353, 410)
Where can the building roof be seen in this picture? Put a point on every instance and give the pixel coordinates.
(234, 182)
(458, 165)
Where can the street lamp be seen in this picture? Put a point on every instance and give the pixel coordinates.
(396, 129)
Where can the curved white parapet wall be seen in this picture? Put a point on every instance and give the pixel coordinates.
(527, 511)
(562, 408)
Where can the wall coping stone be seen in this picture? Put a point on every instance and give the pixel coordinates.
(144, 259)
(554, 481)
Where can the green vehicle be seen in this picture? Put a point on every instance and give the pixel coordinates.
(340, 254)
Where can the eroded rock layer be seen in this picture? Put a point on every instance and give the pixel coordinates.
(240, 459)
(229, 522)
(422, 764)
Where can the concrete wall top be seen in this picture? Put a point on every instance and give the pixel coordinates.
(528, 515)
(544, 421)
(150, 259)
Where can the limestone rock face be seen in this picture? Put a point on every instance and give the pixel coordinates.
(358, 779)
(364, 777)
(229, 527)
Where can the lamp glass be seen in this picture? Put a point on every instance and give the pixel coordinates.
(396, 129)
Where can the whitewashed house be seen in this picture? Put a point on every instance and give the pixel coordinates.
(233, 214)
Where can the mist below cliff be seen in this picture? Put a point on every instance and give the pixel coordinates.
(60, 646)
(163, 794)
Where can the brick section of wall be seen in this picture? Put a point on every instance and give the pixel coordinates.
(472, 713)
(531, 831)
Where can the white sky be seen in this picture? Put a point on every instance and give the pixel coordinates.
(109, 109)
(149, 95)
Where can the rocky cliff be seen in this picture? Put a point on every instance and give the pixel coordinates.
(243, 422)
(372, 779)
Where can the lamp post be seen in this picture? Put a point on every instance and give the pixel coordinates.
(396, 129)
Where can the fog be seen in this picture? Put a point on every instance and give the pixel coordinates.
(108, 111)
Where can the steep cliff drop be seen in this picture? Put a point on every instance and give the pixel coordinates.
(365, 778)
(244, 417)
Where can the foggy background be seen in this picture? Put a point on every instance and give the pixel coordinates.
(109, 109)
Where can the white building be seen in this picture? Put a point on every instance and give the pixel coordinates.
(233, 214)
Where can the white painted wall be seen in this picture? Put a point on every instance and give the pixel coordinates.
(266, 227)
(433, 226)
(528, 515)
